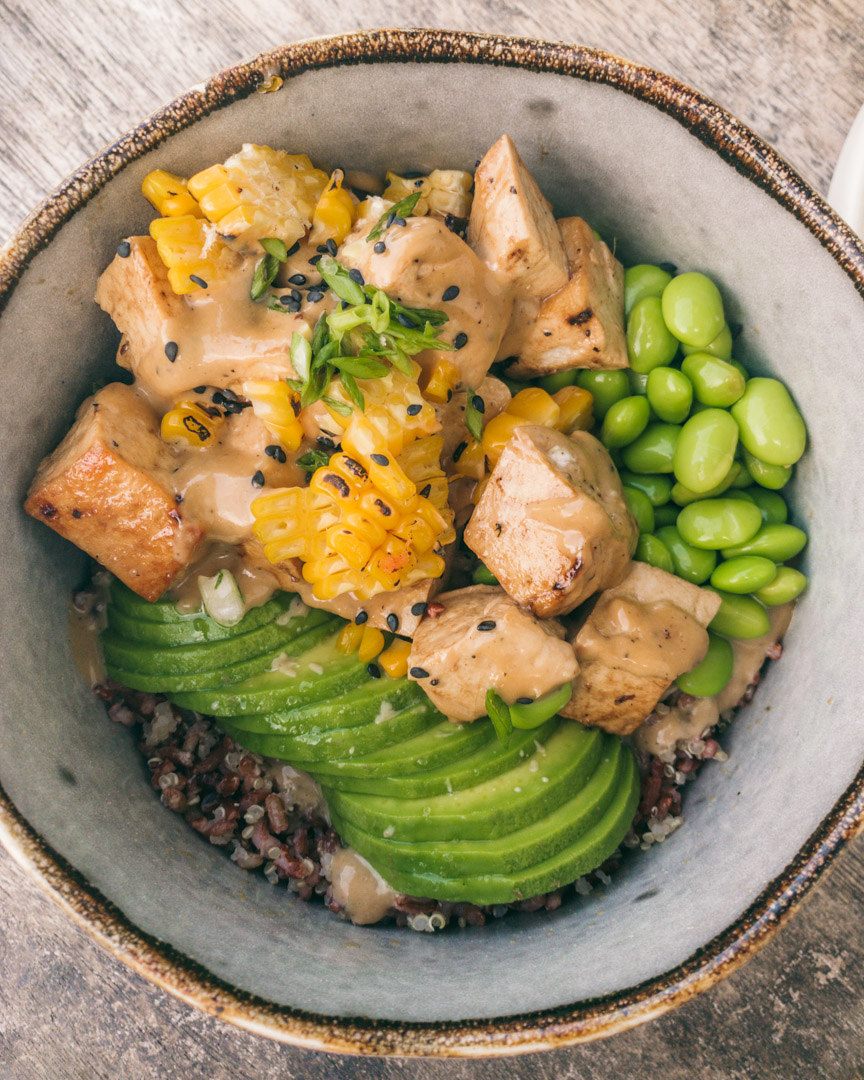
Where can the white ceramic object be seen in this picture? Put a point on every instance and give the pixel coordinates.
(846, 193)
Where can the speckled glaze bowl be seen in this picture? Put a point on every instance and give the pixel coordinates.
(672, 176)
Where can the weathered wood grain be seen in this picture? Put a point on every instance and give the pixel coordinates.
(73, 76)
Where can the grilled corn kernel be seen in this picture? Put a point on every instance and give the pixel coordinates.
(360, 441)
(576, 407)
(387, 403)
(442, 382)
(536, 406)
(181, 243)
(371, 644)
(188, 425)
(349, 638)
(498, 432)
(334, 215)
(277, 406)
(169, 194)
(394, 660)
(472, 461)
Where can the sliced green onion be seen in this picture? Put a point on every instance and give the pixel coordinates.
(403, 208)
(337, 406)
(498, 712)
(353, 390)
(275, 247)
(222, 598)
(301, 356)
(314, 459)
(473, 417)
(541, 710)
(339, 280)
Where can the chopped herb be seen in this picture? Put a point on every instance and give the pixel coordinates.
(313, 459)
(353, 390)
(498, 712)
(262, 279)
(275, 247)
(473, 415)
(301, 356)
(337, 406)
(218, 581)
(340, 281)
(361, 367)
(404, 208)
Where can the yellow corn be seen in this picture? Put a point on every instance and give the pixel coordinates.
(387, 403)
(480, 488)
(277, 406)
(394, 660)
(349, 638)
(181, 243)
(536, 406)
(442, 382)
(334, 215)
(472, 461)
(361, 441)
(498, 432)
(371, 644)
(169, 194)
(188, 425)
(442, 192)
(576, 409)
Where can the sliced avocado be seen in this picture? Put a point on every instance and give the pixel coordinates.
(195, 628)
(586, 853)
(514, 851)
(554, 773)
(136, 607)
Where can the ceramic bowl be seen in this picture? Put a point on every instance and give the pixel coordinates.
(671, 176)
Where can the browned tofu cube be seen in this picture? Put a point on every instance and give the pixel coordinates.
(582, 325)
(480, 639)
(496, 397)
(641, 635)
(107, 489)
(552, 524)
(512, 227)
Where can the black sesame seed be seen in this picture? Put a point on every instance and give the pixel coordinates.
(124, 249)
(391, 217)
(524, 701)
(418, 609)
(314, 295)
(314, 260)
(414, 409)
(198, 389)
(449, 395)
(399, 221)
(322, 249)
(460, 450)
(487, 624)
(276, 451)
(433, 682)
(460, 341)
(229, 395)
(419, 673)
(426, 491)
(374, 671)
(297, 279)
(326, 442)
(296, 295)
(357, 277)
(198, 281)
(380, 459)
(451, 292)
(392, 622)
(479, 404)
(361, 617)
(330, 246)
(405, 320)
(344, 305)
(171, 350)
(293, 249)
(258, 479)
(379, 247)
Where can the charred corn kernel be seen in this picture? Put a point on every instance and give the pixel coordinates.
(187, 250)
(536, 406)
(169, 194)
(260, 192)
(498, 433)
(349, 638)
(394, 660)
(334, 215)
(188, 425)
(472, 461)
(442, 192)
(388, 401)
(421, 460)
(442, 382)
(576, 407)
(371, 644)
(360, 441)
(277, 406)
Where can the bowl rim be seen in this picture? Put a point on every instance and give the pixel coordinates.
(569, 1024)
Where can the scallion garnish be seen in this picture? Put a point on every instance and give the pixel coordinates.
(313, 459)
(498, 712)
(402, 209)
(268, 267)
(473, 417)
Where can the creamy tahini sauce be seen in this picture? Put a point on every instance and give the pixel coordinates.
(358, 888)
(750, 655)
(86, 619)
(256, 584)
(657, 640)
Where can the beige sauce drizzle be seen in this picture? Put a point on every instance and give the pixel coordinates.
(656, 640)
(256, 584)
(358, 888)
(750, 655)
(86, 619)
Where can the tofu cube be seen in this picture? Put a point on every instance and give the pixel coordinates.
(107, 489)
(552, 523)
(641, 635)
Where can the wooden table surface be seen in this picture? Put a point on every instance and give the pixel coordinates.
(73, 76)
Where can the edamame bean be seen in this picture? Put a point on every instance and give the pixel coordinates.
(721, 345)
(772, 477)
(606, 387)
(744, 574)
(778, 542)
(771, 427)
(788, 584)
(705, 450)
(720, 523)
(743, 478)
(657, 488)
(553, 383)
(641, 281)
(638, 383)
(640, 508)
(774, 509)
(625, 421)
(736, 493)
(711, 675)
(483, 575)
(513, 385)
(683, 495)
(649, 342)
(653, 451)
(715, 382)
(691, 563)
(654, 552)
(693, 309)
(739, 617)
(665, 515)
(670, 394)
(738, 366)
